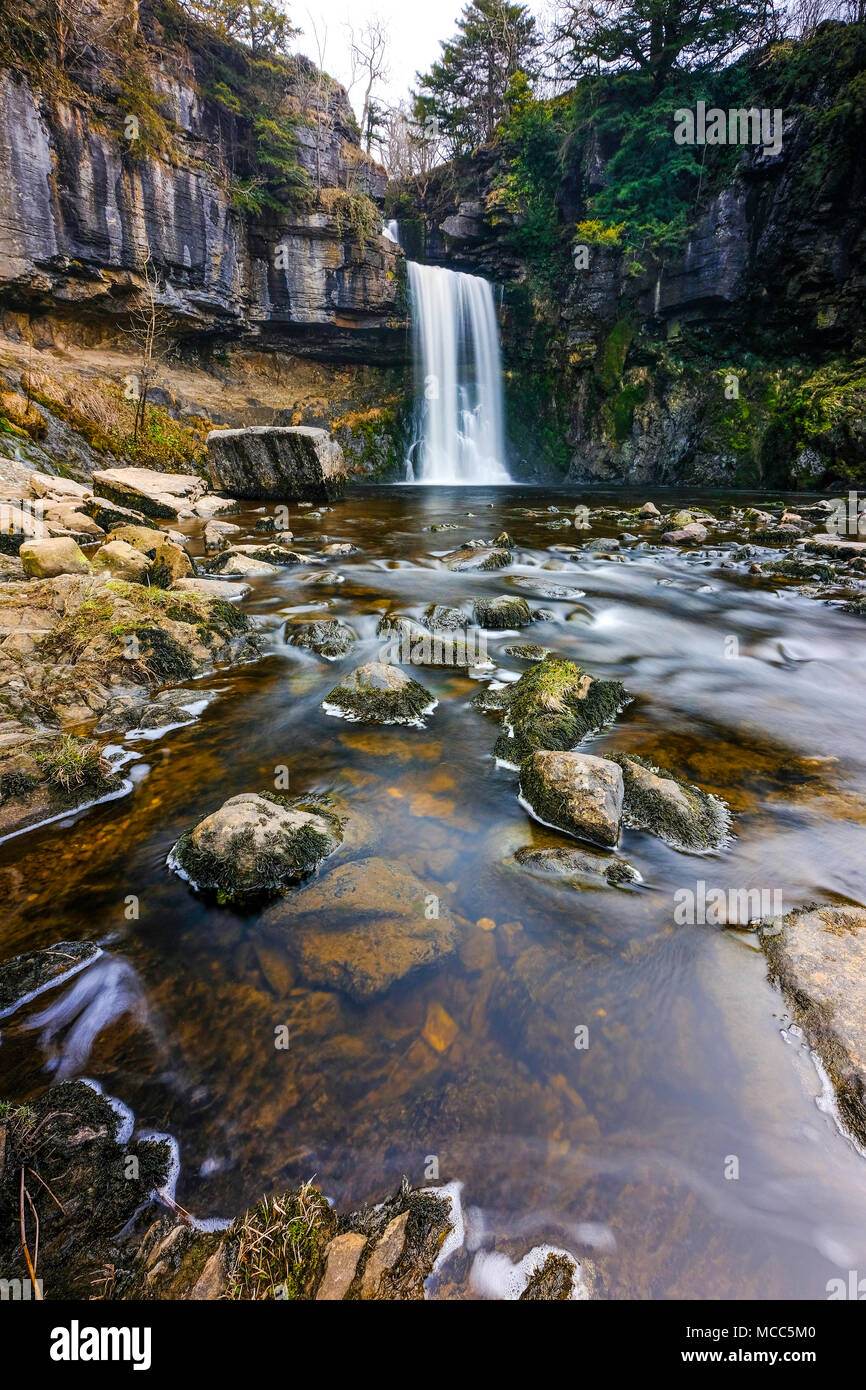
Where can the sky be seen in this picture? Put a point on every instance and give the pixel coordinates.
(415, 28)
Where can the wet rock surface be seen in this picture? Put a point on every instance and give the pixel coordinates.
(575, 792)
(363, 927)
(817, 955)
(379, 694)
(255, 845)
(683, 815)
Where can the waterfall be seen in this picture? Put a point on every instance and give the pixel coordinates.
(391, 229)
(458, 376)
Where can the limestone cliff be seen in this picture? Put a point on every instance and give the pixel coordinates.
(137, 150)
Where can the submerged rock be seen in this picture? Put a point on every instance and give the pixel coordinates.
(527, 651)
(328, 637)
(575, 792)
(817, 954)
(554, 706)
(284, 463)
(254, 846)
(362, 927)
(681, 814)
(379, 694)
(499, 614)
(560, 862)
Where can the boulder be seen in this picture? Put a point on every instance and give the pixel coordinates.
(692, 534)
(143, 538)
(213, 588)
(835, 547)
(69, 515)
(362, 927)
(111, 514)
(284, 463)
(233, 564)
(168, 564)
(328, 637)
(380, 694)
(477, 557)
(160, 495)
(124, 561)
(579, 864)
(678, 812)
(46, 559)
(818, 956)
(554, 705)
(500, 614)
(254, 846)
(211, 505)
(649, 509)
(575, 792)
(216, 535)
(440, 617)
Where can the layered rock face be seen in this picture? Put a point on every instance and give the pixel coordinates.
(82, 207)
(289, 464)
(628, 363)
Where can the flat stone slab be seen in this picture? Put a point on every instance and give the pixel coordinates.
(214, 588)
(160, 495)
(818, 957)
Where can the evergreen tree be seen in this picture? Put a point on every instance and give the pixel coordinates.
(657, 35)
(464, 91)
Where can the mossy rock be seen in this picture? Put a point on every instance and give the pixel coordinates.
(502, 613)
(380, 694)
(574, 792)
(555, 705)
(440, 617)
(254, 846)
(677, 812)
(329, 638)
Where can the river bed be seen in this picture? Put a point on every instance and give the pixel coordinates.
(691, 1150)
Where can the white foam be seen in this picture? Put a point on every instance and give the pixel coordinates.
(493, 1275)
(456, 1236)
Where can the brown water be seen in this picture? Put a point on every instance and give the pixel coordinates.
(617, 1152)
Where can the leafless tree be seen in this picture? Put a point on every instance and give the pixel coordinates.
(368, 47)
(147, 326)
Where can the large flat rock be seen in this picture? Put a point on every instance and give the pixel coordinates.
(818, 956)
(281, 463)
(160, 495)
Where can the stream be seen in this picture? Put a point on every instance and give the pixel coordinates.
(691, 1149)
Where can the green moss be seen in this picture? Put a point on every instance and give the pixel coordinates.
(614, 353)
(372, 706)
(682, 814)
(554, 706)
(498, 614)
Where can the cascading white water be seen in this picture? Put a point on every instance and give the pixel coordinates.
(458, 374)
(391, 229)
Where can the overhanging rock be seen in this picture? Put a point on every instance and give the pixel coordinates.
(291, 463)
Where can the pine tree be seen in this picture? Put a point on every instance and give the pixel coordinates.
(464, 91)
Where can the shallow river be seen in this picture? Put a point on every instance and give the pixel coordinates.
(625, 1151)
